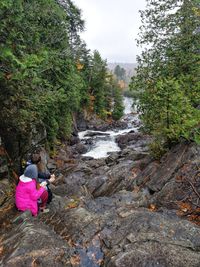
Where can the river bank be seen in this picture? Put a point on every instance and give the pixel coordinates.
(122, 210)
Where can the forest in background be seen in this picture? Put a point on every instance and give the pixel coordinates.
(47, 73)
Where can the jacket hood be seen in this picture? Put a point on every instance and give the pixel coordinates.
(24, 179)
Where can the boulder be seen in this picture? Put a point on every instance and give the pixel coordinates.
(29, 242)
(147, 238)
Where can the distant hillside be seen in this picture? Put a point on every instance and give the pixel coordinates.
(129, 67)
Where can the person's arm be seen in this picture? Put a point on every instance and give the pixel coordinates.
(49, 178)
(44, 175)
(34, 193)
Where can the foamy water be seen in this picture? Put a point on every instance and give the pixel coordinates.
(102, 147)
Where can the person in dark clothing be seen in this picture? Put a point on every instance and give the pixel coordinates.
(46, 177)
(42, 176)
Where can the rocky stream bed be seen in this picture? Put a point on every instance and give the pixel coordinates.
(126, 210)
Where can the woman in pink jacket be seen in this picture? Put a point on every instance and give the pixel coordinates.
(27, 195)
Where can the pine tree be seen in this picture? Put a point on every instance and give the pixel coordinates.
(46, 71)
(168, 70)
(120, 73)
(98, 82)
(118, 108)
(40, 84)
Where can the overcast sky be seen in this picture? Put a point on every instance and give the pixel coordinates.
(111, 27)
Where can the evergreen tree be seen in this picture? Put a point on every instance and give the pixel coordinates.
(120, 73)
(40, 84)
(118, 109)
(46, 71)
(97, 83)
(114, 98)
(168, 71)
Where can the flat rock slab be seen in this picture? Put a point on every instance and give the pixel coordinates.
(129, 236)
(147, 238)
(30, 243)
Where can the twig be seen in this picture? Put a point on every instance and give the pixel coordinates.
(197, 193)
(195, 204)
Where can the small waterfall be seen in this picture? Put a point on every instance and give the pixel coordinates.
(104, 142)
(128, 103)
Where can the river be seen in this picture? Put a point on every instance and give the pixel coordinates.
(104, 142)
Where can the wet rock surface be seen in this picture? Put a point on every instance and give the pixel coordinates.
(91, 122)
(132, 139)
(123, 211)
(32, 243)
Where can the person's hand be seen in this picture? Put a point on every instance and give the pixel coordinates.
(43, 184)
(52, 178)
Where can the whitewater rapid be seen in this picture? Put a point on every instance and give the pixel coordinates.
(104, 142)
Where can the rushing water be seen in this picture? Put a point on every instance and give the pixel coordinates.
(128, 105)
(104, 142)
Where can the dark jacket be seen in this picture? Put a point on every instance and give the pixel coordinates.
(44, 176)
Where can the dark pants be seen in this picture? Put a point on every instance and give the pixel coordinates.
(50, 195)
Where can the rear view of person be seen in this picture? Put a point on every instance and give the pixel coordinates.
(27, 195)
(43, 176)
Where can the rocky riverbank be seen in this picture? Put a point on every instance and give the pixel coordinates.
(120, 211)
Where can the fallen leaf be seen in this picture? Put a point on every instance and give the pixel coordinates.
(152, 207)
(34, 263)
(75, 260)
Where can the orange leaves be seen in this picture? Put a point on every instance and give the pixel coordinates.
(179, 179)
(92, 97)
(34, 263)
(184, 208)
(72, 204)
(79, 66)
(109, 119)
(2, 151)
(59, 163)
(152, 207)
(91, 104)
(75, 260)
(71, 243)
(16, 177)
(134, 172)
(121, 84)
(8, 76)
(188, 178)
(1, 251)
(195, 218)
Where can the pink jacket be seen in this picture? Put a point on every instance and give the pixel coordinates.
(26, 195)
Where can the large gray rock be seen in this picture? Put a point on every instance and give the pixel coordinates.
(127, 236)
(174, 180)
(152, 239)
(100, 212)
(133, 139)
(30, 243)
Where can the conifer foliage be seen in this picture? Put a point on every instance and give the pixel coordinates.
(46, 70)
(168, 73)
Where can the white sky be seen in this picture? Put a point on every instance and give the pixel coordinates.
(111, 27)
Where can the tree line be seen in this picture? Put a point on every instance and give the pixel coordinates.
(47, 72)
(167, 82)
